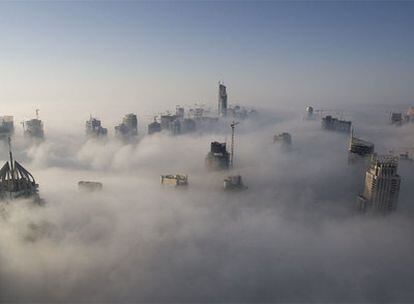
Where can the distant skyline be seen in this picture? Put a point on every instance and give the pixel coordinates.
(128, 56)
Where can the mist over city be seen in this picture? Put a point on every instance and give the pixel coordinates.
(206, 152)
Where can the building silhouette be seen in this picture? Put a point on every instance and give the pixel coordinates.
(222, 100)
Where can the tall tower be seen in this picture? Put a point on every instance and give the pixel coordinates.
(382, 186)
(222, 100)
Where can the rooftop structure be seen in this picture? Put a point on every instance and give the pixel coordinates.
(218, 158)
(382, 186)
(94, 128)
(174, 180)
(33, 128)
(396, 118)
(335, 124)
(222, 100)
(234, 182)
(128, 128)
(90, 186)
(16, 181)
(6, 127)
(360, 147)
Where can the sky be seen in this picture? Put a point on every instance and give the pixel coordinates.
(101, 57)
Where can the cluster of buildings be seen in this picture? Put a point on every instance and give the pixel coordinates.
(198, 118)
(180, 122)
(381, 180)
(32, 128)
(127, 129)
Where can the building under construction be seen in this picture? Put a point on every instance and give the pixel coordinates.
(334, 124)
(128, 128)
(6, 127)
(33, 128)
(16, 181)
(94, 128)
(382, 186)
(218, 158)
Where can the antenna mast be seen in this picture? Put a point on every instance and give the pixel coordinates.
(232, 125)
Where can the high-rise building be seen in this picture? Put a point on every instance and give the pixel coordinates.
(94, 128)
(154, 127)
(222, 100)
(382, 186)
(218, 158)
(128, 128)
(33, 128)
(6, 127)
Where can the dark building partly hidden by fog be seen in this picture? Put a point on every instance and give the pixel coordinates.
(382, 186)
(94, 128)
(154, 127)
(285, 139)
(128, 129)
(6, 127)
(33, 128)
(359, 149)
(334, 124)
(218, 158)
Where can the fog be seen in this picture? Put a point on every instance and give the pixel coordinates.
(293, 235)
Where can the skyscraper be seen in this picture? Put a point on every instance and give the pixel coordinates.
(222, 100)
(382, 186)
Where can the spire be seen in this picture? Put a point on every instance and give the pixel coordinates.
(11, 159)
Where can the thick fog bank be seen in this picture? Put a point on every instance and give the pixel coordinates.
(291, 236)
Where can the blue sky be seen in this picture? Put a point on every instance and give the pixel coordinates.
(149, 55)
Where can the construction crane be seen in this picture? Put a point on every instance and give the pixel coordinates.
(232, 125)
